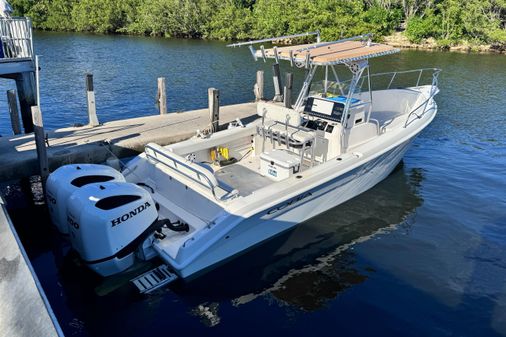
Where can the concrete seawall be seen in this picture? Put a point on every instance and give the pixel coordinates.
(24, 309)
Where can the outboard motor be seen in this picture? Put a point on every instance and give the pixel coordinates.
(108, 222)
(67, 179)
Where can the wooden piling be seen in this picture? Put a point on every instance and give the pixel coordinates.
(259, 86)
(13, 111)
(214, 108)
(288, 90)
(25, 85)
(40, 142)
(276, 76)
(162, 96)
(90, 95)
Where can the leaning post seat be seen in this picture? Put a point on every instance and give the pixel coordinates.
(278, 113)
(282, 125)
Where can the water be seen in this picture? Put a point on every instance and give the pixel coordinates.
(423, 253)
(125, 74)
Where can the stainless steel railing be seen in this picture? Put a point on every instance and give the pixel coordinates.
(383, 81)
(16, 38)
(395, 75)
(185, 170)
(433, 91)
(431, 78)
(398, 80)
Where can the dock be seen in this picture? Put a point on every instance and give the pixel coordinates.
(122, 138)
(24, 308)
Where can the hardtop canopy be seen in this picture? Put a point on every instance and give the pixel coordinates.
(328, 53)
(354, 52)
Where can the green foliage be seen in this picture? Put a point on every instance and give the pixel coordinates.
(173, 18)
(383, 21)
(272, 17)
(58, 14)
(444, 43)
(422, 27)
(21, 7)
(38, 12)
(333, 18)
(102, 16)
(230, 22)
(454, 21)
(497, 36)
(448, 21)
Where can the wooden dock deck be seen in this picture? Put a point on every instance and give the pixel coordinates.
(18, 156)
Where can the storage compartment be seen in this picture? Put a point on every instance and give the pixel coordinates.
(279, 164)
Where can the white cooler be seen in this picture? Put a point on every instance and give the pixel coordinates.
(279, 164)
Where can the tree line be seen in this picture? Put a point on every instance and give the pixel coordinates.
(447, 21)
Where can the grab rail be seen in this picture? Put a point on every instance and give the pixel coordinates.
(393, 75)
(433, 91)
(412, 112)
(191, 171)
(433, 88)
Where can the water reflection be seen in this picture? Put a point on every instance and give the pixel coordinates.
(314, 263)
(310, 290)
(208, 313)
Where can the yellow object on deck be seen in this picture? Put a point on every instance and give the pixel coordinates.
(219, 151)
(224, 152)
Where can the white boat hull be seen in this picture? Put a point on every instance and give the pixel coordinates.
(273, 221)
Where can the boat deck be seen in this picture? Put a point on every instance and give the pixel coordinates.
(243, 176)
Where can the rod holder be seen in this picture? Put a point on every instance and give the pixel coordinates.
(276, 77)
(259, 86)
(288, 90)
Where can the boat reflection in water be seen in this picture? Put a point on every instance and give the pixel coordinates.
(313, 263)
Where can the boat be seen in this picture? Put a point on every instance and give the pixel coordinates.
(198, 203)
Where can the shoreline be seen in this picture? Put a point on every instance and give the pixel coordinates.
(398, 40)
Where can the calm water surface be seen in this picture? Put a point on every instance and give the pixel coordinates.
(421, 254)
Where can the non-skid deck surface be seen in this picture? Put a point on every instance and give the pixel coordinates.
(242, 178)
